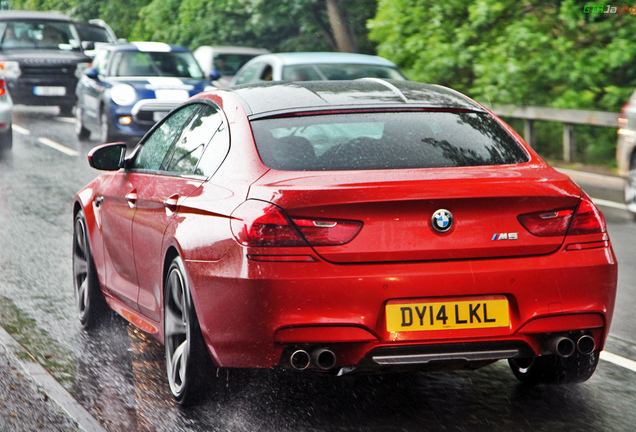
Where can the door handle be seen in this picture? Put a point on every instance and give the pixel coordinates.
(171, 202)
(132, 199)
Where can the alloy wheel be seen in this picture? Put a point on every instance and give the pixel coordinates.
(81, 267)
(176, 331)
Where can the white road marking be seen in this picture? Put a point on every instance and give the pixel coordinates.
(66, 119)
(58, 147)
(619, 361)
(20, 130)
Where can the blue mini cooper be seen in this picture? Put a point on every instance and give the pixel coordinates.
(131, 86)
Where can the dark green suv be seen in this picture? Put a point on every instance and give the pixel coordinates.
(42, 58)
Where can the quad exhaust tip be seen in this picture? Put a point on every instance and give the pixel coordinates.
(565, 347)
(321, 358)
(586, 344)
(300, 360)
(562, 346)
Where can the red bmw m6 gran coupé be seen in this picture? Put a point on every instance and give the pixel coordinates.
(343, 227)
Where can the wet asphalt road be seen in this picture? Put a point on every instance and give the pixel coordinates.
(117, 374)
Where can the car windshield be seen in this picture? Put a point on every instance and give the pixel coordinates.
(38, 34)
(148, 64)
(384, 140)
(229, 64)
(319, 72)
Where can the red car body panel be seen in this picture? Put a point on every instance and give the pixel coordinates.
(255, 303)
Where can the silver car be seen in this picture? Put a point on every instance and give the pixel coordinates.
(626, 151)
(6, 110)
(220, 63)
(315, 66)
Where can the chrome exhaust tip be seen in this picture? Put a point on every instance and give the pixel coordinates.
(299, 360)
(586, 344)
(323, 358)
(562, 346)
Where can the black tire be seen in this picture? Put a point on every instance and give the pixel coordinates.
(6, 139)
(82, 133)
(66, 110)
(105, 131)
(552, 369)
(89, 302)
(188, 364)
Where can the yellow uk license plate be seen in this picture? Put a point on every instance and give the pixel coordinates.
(447, 315)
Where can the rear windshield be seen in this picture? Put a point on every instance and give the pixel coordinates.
(326, 71)
(150, 64)
(384, 140)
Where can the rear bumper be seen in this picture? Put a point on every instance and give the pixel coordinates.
(254, 313)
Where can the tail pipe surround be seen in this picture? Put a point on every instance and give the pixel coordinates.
(561, 346)
(300, 359)
(586, 344)
(323, 358)
(320, 358)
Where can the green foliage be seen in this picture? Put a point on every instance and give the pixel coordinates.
(521, 52)
(278, 25)
(524, 52)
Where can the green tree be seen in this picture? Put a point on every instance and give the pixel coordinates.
(279, 25)
(534, 52)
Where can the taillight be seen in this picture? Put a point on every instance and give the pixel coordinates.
(3, 87)
(262, 224)
(585, 219)
(588, 219)
(547, 223)
(320, 232)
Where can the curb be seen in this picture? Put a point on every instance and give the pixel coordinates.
(49, 384)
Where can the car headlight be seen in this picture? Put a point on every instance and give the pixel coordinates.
(11, 69)
(123, 94)
(81, 67)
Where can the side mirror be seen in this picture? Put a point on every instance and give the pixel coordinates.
(108, 157)
(215, 75)
(91, 73)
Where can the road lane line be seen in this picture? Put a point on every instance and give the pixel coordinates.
(618, 360)
(58, 147)
(612, 204)
(20, 130)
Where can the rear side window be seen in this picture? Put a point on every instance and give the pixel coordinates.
(384, 140)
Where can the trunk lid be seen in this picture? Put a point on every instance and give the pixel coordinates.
(397, 206)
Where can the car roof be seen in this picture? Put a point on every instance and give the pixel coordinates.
(232, 49)
(275, 98)
(51, 15)
(146, 47)
(324, 57)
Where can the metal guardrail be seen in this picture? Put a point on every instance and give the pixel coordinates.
(568, 117)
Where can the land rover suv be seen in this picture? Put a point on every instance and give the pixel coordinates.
(41, 57)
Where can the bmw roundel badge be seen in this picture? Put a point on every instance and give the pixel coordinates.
(442, 220)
